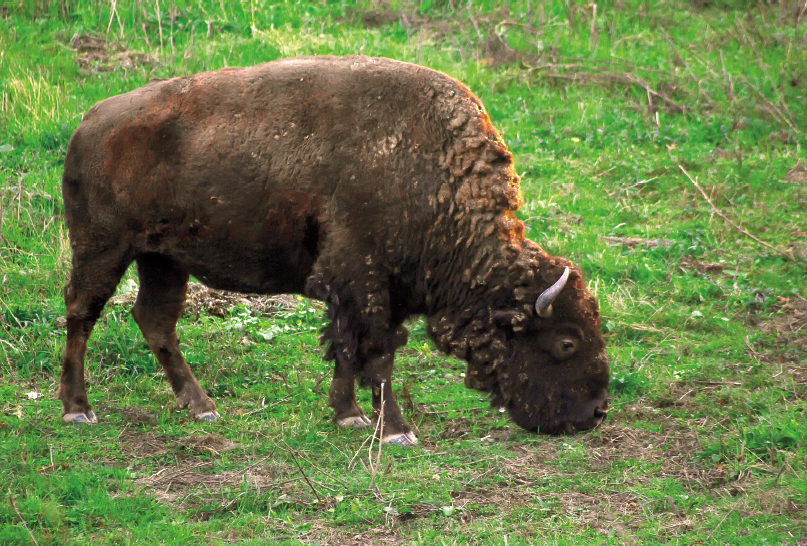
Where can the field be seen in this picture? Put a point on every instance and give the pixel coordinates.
(662, 147)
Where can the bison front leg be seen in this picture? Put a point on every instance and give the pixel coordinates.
(363, 338)
(393, 428)
(342, 396)
(376, 372)
(163, 285)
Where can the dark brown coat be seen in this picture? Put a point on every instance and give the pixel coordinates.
(376, 186)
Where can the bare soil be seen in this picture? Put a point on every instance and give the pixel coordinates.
(95, 54)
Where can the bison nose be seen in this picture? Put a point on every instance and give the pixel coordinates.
(598, 411)
(599, 415)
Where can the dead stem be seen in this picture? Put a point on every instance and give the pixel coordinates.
(599, 77)
(300, 468)
(22, 519)
(380, 433)
(735, 226)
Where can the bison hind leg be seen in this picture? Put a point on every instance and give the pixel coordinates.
(93, 279)
(160, 300)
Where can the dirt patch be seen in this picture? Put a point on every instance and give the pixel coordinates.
(214, 302)
(633, 242)
(218, 302)
(688, 262)
(789, 322)
(379, 18)
(95, 54)
(455, 428)
(321, 532)
(143, 445)
(191, 484)
(192, 475)
(132, 414)
(797, 175)
(208, 443)
(489, 31)
(672, 450)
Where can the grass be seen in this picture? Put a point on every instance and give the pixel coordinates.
(707, 439)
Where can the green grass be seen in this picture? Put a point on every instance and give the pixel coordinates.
(707, 439)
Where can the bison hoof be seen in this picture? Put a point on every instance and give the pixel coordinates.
(404, 439)
(208, 416)
(357, 421)
(88, 417)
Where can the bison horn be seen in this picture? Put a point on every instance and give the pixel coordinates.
(543, 305)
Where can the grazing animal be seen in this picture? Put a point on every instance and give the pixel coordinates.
(378, 187)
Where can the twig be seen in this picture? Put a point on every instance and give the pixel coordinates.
(564, 66)
(19, 199)
(599, 77)
(801, 12)
(751, 349)
(337, 480)
(735, 226)
(294, 457)
(476, 27)
(773, 107)
(779, 475)
(351, 465)
(22, 519)
(605, 171)
(159, 24)
(682, 396)
(494, 467)
(113, 13)
(380, 433)
(527, 28)
(722, 520)
(269, 405)
(256, 463)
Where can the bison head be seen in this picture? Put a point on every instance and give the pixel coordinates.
(540, 353)
(554, 374)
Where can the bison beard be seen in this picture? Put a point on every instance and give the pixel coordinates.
(378, 187)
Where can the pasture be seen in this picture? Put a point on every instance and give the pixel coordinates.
(662, 147)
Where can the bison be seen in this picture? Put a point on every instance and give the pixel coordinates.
(378, 187)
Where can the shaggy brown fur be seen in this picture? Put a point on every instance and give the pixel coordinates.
(376, 186)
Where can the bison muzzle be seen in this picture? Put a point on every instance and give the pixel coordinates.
(378, 187)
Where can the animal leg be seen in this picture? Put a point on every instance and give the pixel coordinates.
(163, 285)
(363, 334)
(395, 429)
(342, 397)
(93, 280)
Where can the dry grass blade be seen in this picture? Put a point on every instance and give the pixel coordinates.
(800, 12)
(300, 468)
(732, 224)
(380, 434)
(22, 519)
(587, 74)
(775, 110)
(300, 455)
(633, 242)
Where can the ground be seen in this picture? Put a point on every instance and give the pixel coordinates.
(661, 147)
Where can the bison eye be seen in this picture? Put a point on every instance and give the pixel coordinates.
(564, 347)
